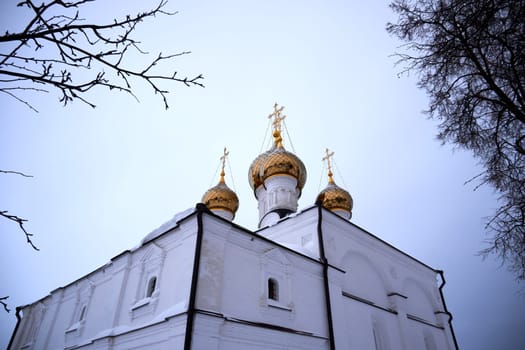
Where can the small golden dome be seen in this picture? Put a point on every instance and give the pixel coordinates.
(335, 198)
(221, 197)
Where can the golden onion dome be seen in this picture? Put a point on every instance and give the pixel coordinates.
(253, 173)
(221, 197)
(281, 162)
(335, 198)
(276, 161)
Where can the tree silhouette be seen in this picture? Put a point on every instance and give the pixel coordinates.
(470, 58)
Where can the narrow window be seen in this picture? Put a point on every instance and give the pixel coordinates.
(82, 313)
(273, 289)
(152, 284)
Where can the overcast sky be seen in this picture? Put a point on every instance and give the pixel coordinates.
(105, 177)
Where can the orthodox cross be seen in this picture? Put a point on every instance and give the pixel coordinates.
(223, 160)
(329, 164)
(278, 118)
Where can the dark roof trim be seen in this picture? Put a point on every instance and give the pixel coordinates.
(443, 282)
(194, 278)
(326, 282)
(18, 320)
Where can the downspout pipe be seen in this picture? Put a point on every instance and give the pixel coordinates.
(18, 320)
(194, 278)
(324, 262)
(443, 282)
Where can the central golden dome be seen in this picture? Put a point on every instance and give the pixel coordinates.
(253, 174)
(277, 160)
(281, 162)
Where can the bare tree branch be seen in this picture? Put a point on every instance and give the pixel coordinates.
(64, 52)
(20, 223)
(4, 304)
(14, 172)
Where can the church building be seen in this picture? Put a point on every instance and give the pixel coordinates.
(307, 279)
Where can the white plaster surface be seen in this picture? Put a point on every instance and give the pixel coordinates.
(380, 298)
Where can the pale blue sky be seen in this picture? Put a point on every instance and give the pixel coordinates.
(105, 177)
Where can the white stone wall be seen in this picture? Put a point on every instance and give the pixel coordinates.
(112, 302)
(298, 232)
(381, 298)
(212, 333)
(233, 286)
(395, 296)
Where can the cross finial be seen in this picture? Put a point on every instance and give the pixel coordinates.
(278, 118)
(223, 160)
(329, 164)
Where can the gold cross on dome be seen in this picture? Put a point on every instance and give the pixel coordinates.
(329, 164)
(223, 160)
(278, 116)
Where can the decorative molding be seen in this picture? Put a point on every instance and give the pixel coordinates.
(396, 294)
(151, 265)
(368, 302)
(423, 321)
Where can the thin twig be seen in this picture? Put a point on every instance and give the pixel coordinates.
(4, 304)
(15, 172)
(20, 221)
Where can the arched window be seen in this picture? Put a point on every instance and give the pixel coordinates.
(82, 313)
(273, 289)
(152, 284)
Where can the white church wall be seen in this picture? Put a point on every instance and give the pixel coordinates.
(420, 309)
(163, 335)
(251, 293)
(53, 316)
(368, 329)
(299, 235)
(112, 301)
(169, 260)
(387, 283)
(240, 264)
(213, 334)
